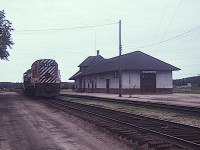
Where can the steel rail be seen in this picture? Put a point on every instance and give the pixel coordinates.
(164, 136)
(177, 108)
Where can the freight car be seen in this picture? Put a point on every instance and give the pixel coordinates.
(43, 79)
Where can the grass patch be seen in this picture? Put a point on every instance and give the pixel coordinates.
(66, 90)
(186, 91)
(158, 113)
(140, 110)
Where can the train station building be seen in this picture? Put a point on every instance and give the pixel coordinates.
(141, 74)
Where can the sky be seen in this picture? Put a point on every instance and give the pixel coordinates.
(71, 30)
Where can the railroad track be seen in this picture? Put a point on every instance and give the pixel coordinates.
(143, 132)
(176, 108)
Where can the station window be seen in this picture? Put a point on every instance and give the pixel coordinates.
(95, 85)
(102, 76)
(115, 74)
(34, 67)
(90, 79)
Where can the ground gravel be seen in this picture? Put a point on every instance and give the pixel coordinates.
(27, 124)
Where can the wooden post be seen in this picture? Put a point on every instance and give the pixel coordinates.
(120, 61)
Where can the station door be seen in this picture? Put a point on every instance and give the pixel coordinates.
(148, 83)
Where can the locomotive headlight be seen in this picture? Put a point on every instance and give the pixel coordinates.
(57, 80)
(36, 80)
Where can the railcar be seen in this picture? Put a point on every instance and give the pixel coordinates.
(43, 79)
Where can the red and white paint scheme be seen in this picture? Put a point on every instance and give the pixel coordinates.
(43, 79)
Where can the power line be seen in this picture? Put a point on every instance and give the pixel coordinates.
(170, 39)
(62, 29)
(161, 20)
(165, 32)
(171, 20)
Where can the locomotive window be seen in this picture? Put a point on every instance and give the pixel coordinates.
(47, 65)
(34, 68)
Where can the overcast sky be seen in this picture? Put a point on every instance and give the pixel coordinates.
(166, 29)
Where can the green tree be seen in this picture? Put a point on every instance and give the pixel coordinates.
(5, 36)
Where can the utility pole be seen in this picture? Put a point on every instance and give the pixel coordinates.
(120, 61)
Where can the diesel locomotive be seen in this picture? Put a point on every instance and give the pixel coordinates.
(43, 79)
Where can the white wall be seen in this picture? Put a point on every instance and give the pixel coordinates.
(87, 80)
(164, 79)
(76, 84)
(101, 83)
(131, 79)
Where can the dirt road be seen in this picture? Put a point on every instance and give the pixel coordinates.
(26, 124)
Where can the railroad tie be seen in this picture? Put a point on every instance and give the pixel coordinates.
(154, 144)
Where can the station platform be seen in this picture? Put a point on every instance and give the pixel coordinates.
(191, 100)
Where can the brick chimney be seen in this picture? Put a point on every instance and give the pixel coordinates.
(97, 52)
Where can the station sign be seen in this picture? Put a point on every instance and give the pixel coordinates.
(149, 71)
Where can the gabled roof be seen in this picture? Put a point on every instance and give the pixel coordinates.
(132, 61)
(91, 59)
(76, 75)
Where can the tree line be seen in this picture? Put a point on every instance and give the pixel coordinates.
(193, 80)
